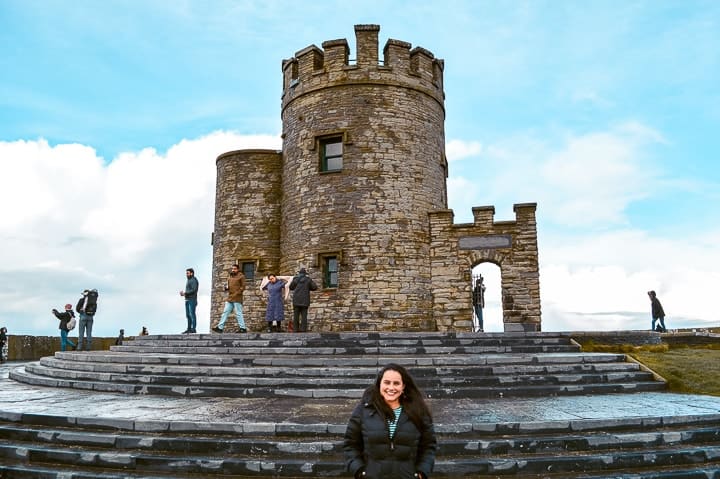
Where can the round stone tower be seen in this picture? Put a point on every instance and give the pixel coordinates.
(247, 223)
(363, 166)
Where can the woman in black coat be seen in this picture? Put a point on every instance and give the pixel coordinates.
(390, 434)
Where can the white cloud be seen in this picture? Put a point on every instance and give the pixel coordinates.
(579, 179)
(128, 228)
(458, 149)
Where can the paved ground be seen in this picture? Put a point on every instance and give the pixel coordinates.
(17, 398)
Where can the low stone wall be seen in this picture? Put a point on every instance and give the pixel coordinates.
(674, 338)
(35, 347)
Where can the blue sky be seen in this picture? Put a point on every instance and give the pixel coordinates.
(605, 113)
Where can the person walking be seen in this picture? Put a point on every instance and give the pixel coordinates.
(65, 317)
(275, 312)
(390, 434)
(301, 285)
(235, 287)
(120, 338)
(657, 312)
(86, 308)
(190, 294)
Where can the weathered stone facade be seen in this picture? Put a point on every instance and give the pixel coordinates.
(383, 214)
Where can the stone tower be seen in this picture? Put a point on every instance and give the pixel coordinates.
(385, 120)
(355, 196)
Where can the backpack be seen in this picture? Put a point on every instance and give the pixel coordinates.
(71, 324)
(91, 304)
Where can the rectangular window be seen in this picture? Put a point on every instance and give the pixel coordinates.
(330, 271)
(331, 154)
(248, 269)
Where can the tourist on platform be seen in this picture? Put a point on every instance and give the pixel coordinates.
(3, 345)
(190, 294)
(275, 312)
(65, 317)
(657, 312)
(235, 287)
(478, 297)
(390, 434)
(301, 285)
(144, 331)
(120, 338)
(86, 308)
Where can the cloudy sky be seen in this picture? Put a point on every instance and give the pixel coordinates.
(605, 113)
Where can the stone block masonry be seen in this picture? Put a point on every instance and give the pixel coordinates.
(371, 222)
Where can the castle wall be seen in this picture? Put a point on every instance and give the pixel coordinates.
(403, 264)
(512, 245)
(247, 227)
(374, 211)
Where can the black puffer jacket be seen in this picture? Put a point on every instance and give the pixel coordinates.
(367, 445)
(301, 285)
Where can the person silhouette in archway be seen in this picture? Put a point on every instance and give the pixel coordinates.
(478, 298)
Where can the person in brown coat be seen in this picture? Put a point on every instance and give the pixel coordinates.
(234, 287)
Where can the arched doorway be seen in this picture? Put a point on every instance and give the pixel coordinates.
(488, 275)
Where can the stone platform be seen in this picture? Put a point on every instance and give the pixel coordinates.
(73, 433)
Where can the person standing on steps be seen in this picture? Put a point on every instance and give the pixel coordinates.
(657, 312)
(301, 285)
(390, 434)
(86, 308)
(235, 287)
(65, 318)
(190, 295)
(275, 312)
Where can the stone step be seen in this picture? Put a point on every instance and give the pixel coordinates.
(681, 472)
(328, 379)
(128, 365)
(305, 440)
(344, 351)
(295, 340)
(322, 391)
(319, 360)
(183, 464)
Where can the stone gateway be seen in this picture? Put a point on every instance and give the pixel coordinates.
(358, 196)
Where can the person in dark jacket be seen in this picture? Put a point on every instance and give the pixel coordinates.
(3, 345)
(190, 295)
(657, 312)
(390, 434)
(64, 318)
(301, 285)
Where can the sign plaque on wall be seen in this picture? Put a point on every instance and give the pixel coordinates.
(485, 242)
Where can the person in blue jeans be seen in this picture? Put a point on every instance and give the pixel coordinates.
(234, 287)
(190, 295)
(64, 318)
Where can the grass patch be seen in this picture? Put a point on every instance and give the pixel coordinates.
(688, 370)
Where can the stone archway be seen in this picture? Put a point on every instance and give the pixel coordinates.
(489, 318)
(512, 245)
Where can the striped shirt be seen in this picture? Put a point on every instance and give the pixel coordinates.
(392, 425)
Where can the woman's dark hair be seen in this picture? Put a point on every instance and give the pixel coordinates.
(411, 400)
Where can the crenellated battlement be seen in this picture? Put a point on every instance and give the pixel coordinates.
(312, 67)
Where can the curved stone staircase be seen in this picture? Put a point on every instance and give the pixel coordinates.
(458, 371)
(652, 447)
(342, 365)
